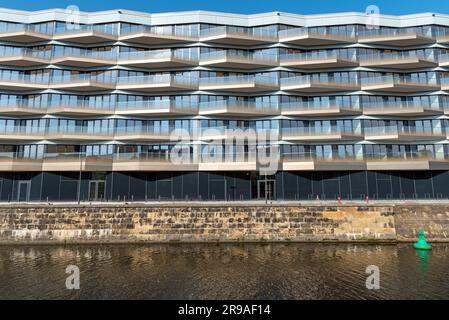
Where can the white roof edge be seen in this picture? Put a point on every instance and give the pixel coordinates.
(224, 18)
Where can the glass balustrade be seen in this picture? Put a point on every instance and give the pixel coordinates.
(238, 105)
(386, 32)
(396, 56)
(310, 79)
(399, 105)
(239, 80)
(67, 29)
(243, 57)
(312, 106)
(161, 31)
(321, 32)
(315, 130)
(398, 130)
(313, 156)
(396, 79)
(239, 32)
(318, 55)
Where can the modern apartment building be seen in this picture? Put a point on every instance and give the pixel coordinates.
(89, 103)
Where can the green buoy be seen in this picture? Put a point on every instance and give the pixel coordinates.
(422, 243)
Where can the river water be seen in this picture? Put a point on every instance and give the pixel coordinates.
(225, 271)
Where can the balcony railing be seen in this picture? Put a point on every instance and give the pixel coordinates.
(159, 31)
(123, 132)
(156, 55)
(314, 131)
(80, 78)
(318, 56)
(260, 34)
(87, 131)
(322, 33)
(315, 156)
(23, 130)
(19, 27)
(162, 80)
(399, 80)
(444, 82)
(238, 106)
(20, 104)
(24, 78)
(401, 130)
(154, 105)
(86, 53)
(107, 30)
(379, 57)
(308, 79)
(382, 32)
(408, 156)
(239, 80)
(311, 106)
(24, 52)
(248, 58)
(399, 105)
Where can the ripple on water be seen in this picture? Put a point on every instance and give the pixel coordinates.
(228, 271)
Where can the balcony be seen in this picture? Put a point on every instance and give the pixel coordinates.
(311, 162)
(24, 58)
(224, 59)
(406, 162)
(156, 35)
(305, 109)
(237, 108)
(78, 133)
(143, 134)
(76, 162)
(239, 133)
(399, 84)
(394, 37)
(400, 133)
(312, 84)
(21, 82)
(444, 84)
(82, 83)
(397, 61)
(443, 38)
(22, 33)
(318, 61)
(443, 60)
(85, 58)
(399, 108)
(11, 162)
(308, 37)
(156, 108)
(158, 59)
(136, 161)
(22, 133)
(19, 108)
(158, 83)
(86, 34)
(238, 36)
(333, 133)
(244, 83)
(79, 109)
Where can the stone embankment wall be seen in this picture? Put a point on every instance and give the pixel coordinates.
(214, 223)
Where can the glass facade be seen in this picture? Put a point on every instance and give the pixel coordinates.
(195, 110)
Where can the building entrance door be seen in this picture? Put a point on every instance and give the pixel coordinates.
(23, 190)
(266, 189)
(96, 190)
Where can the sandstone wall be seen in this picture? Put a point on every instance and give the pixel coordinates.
(202, 223)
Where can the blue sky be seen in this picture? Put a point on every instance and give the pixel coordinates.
(239, 6)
